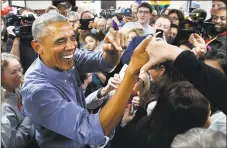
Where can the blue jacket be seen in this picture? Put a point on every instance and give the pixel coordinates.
(131, 47)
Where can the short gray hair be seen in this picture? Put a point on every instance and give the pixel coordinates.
(39, 27)
(199, 137)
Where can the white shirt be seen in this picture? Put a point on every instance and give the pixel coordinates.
(133, 25)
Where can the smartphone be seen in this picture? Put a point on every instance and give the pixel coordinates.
(122, 72)
(84, 24)
(132, 110)
(160, 35)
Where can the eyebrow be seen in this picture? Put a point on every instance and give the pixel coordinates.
(63, 38)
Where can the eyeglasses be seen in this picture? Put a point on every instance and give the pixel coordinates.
(143, 12)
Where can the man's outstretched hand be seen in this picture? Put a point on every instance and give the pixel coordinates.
(139, 56)
(114, 42)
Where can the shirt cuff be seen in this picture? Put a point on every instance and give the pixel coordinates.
(108, 139)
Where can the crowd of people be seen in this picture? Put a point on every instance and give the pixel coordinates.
(143, 77)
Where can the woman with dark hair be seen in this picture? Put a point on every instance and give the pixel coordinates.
(180, 107)
(177, 17)
(161, 75)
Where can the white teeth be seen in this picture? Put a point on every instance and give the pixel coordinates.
(68, 56)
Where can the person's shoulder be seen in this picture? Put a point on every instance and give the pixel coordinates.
(139, 38)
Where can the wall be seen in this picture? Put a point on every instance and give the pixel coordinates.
(38, 4)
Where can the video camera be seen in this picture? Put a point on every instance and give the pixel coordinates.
(21, 30)
(109, 13)
(196, 24)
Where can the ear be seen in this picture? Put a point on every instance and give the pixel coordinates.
(37, 47)
(162, 70)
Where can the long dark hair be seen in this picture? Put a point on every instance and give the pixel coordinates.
(180, 107)
(170, 76)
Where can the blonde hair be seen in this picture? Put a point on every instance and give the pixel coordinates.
(138, 31)
(99, 19)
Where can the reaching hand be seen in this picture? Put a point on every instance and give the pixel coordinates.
(138, 100)
(114, 42)
(113, 83)
(127, 117)
(200, 45)
(159, 51)
(197, 41)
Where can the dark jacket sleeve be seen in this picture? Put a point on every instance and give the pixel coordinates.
(131, 47)
(210, 82)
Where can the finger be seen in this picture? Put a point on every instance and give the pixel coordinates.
(142, 46)
(149, 64)
(132, 116)
(106, 39)
(127, 110)
(197, 36)
(112, 85)
(123, 41)
(155, 35)
(116, 75)
(164, 37)
(107, 47)
(118, 38)
(117, 42)
(115, 81)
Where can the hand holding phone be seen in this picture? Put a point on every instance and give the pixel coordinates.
(160, 35)
(85, 24)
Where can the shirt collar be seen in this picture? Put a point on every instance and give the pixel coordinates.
(52, 73)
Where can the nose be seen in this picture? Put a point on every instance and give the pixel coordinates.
(19, 74)
(218, 20)
(71, 45)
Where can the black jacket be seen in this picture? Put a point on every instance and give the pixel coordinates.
(209, 81)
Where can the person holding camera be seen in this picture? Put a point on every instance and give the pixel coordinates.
(20, 37)
(217, 37)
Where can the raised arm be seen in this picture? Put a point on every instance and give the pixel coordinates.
(112, 112)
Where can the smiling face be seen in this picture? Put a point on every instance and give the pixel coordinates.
(219, 19)
(57, 47)
(12, 75)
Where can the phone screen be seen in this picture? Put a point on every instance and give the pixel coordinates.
(160, 35)
(84, 23)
